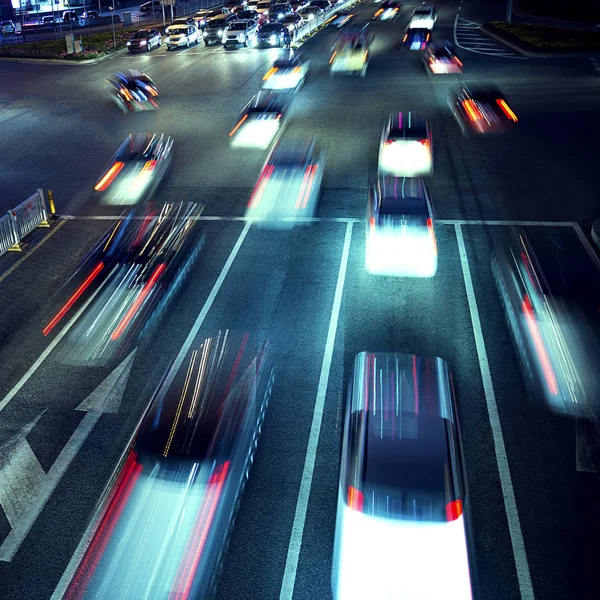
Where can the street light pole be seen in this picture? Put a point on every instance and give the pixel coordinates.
(508, 11)
(112, 18)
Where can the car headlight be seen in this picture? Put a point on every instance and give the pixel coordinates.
(143, 42)
(240, 37)
(129, 43)
(220, 32)
(280, 16)
(273, 39)
(204, 33)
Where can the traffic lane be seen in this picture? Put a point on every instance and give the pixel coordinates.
(214, 91)
(428, 317)
(28, 290)
(59, 389)
(552, 496)
(281, 286)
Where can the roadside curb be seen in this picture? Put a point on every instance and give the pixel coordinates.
(499, 37)
(58, 61)
(596, 232)
(549, 20)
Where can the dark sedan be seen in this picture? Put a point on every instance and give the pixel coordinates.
(144, 40)
(273, 35)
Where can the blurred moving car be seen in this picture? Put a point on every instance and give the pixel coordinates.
(289, 185)
(309, 13)
(126, 282)
(261, 121)
(416, 39)
(182, 35)
(341, 18)
(389, 11)
(423, 18)
(136, 169)
(292, 22)
(144, 40)
(215, 28)
(241, 33)
(554, 337)
(402, 518)
(401, 237)
(289, 72)
(406, 148)
(248, 15)
(350, 52)
(163, 526)
(181, 21)
(7, 27)
(482, 109)
(203, 16)
(273, 35)
(441, 58)
(133, 91)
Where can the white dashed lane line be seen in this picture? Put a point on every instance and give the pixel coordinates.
(468, 37)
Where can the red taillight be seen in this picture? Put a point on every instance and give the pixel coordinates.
(259, 190)
(78, 292)
(109, 177)
(356, 499)
(453, 510)
(427, 38)
(472, 110)
(239, 124)
(372, 223)
(432, 234)
(405, 37)
(424, 142)
(388, 142)
(506, 109)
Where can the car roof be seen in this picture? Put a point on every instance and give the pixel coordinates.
(293, 152)
(402, 196)
(179, 26)
(408, 123)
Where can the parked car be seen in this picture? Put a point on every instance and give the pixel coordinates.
(144, 40)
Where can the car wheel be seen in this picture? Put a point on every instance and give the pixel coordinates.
(187, 43)
(245, 42)
(159, 43)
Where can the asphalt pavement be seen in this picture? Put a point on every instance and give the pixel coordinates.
(533, 507)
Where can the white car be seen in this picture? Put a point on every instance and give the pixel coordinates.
(240, 33)
(288, 72)
(182, 35)
(261, 121)
(406, 146)
(401, 527)
(401, 239)
(289, 186)
(423, 18)
(181, 21)
(7, 27)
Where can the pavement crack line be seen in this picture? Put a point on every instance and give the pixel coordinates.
(293, 555)
(508, 493)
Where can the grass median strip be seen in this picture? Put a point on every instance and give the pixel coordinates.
(546, 39)
(94, 46)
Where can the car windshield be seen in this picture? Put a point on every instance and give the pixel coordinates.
(246, 14)
(238, 27)
(444, 52)
(178, 29)
(215, 24)
(140, 34)
(422, 13)
(279, 7)
(270, 28)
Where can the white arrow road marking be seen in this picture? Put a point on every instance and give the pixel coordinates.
(20, 473)
(105, 398)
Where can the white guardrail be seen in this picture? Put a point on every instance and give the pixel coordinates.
(317, 22)
(22, 220)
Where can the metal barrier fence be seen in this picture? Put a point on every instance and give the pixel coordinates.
(22, 220)
(8, 233)
(315, 23)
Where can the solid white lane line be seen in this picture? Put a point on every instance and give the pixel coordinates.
(510, 503)
(293, 555)
(86, 539)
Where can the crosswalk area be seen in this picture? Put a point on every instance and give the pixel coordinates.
(467, 36)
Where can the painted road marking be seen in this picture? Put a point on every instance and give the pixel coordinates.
(468, 37)
(510, 503)
(293, 555)
(34, 494)
(65, 580)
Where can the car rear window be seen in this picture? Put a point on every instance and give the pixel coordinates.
(404, 206)
(412, 133)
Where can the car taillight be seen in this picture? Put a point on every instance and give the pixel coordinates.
(332, 57)
(506, 110)
(239, 124)
(356, 499)
(109, 177)
(388, 142)
(405, 37)
(424, 142)
(428, 36)
(270, 73)
(379, 12)
(457, 61)
(472, 110)
(453, 510)
(432, 234)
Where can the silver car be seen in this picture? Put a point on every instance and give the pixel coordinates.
(240, 33)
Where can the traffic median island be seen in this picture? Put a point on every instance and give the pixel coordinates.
(94, 46)
(542, 41)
